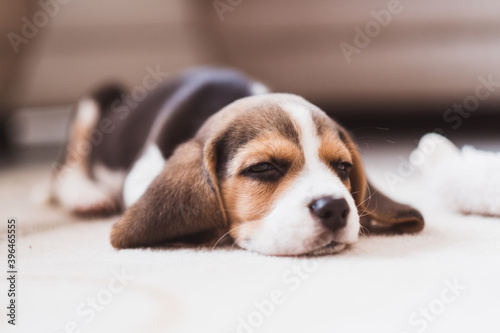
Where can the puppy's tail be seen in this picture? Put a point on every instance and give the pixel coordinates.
(106, 95)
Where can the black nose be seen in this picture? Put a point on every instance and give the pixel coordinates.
(332, 212)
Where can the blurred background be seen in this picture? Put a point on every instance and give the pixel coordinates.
(381, 67)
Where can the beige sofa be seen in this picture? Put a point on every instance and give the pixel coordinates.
(428, 51)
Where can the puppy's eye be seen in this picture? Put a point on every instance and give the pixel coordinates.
(342, 168)
(261, 167)
(265, 172)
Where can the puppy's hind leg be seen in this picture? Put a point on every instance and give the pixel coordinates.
(72, 185)
(75, 191)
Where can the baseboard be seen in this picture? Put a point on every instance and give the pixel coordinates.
(38, 127)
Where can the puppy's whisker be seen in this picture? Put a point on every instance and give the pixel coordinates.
(227, 233)
(363, 230)
(364, 212)
(366, 199)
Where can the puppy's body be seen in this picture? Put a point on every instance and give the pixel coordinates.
(136, 137)
(203, 155)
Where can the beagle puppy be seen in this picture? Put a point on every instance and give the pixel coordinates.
(212, 153)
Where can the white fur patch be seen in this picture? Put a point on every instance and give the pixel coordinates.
(87, 113)
(144, 171)
(75, 191)
(259, 89)
(111, 180)
(290, 229)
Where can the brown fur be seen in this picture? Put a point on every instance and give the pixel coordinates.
(244, 200)
(179, 202)
(333, 149)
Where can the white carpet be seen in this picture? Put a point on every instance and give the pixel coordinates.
(383, 284)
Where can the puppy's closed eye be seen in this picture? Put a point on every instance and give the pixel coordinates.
(266, 171)
(341, 169)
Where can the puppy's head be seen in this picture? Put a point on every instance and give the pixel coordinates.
(273, 171)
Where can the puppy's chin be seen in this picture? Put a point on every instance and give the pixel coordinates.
(330, 248)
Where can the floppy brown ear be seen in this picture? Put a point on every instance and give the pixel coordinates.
(378, 212)
(182, 201)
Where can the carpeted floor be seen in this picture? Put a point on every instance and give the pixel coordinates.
(445, 279)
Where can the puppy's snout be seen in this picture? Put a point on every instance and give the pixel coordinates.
(331, 212)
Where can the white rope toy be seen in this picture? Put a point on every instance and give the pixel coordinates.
(468, 180)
